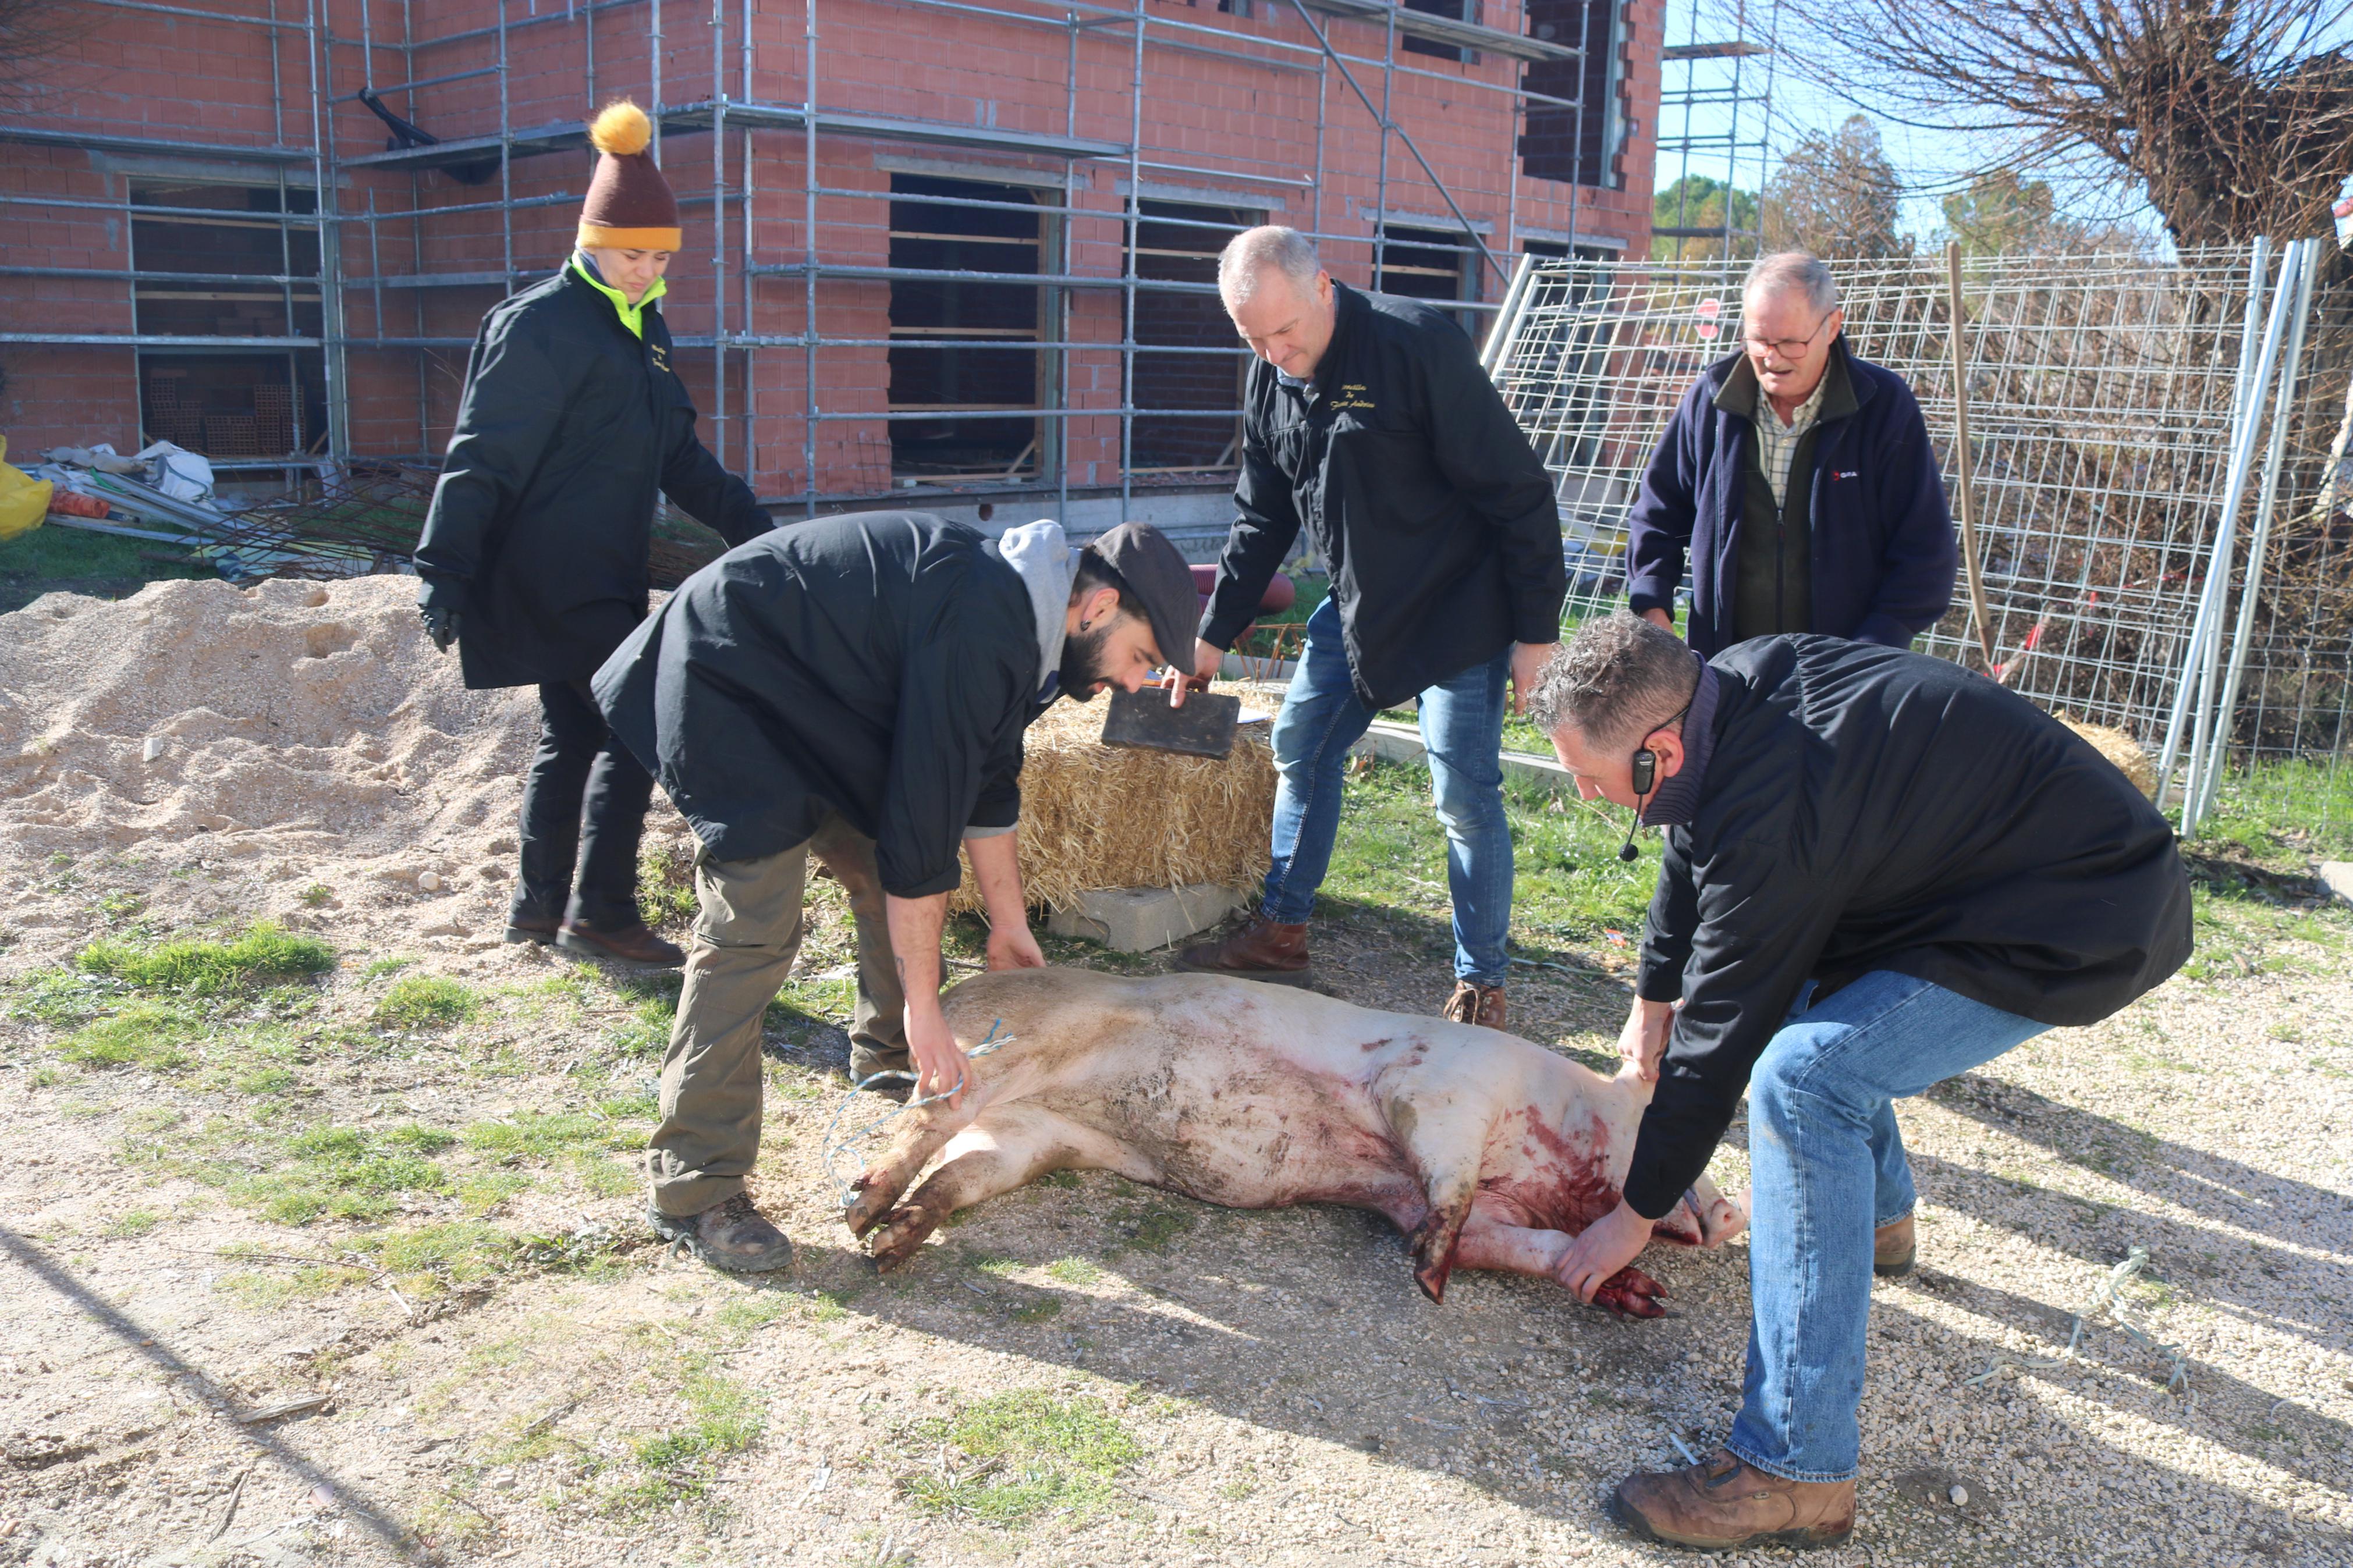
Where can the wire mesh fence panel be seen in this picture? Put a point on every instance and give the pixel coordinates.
(2100, 395)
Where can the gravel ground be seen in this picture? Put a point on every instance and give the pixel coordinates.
(1083, 1373)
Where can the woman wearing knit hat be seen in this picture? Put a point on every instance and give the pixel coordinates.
(535, 557)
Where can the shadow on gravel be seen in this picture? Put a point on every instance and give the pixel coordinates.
(74, 1296)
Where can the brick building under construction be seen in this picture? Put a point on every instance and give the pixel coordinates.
(955, 252)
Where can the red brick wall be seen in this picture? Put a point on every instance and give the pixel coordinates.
(187, 80)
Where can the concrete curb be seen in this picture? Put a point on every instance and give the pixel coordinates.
(1395, 742)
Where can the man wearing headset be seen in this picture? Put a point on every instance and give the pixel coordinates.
(1881, 870)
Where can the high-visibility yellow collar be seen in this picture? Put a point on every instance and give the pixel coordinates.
(632, 316)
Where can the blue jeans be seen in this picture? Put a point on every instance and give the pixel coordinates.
(1828, 1169)
(1462, 728)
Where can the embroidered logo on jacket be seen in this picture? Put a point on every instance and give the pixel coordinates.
(661, 356)
(1351, 395)
(1838, 474)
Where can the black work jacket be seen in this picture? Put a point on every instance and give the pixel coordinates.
(1868, 809)
(543, 520)
(878, 664)
(1419, 492)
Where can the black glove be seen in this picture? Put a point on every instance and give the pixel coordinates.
(441, 625)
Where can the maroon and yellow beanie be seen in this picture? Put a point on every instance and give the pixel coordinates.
(629, 205)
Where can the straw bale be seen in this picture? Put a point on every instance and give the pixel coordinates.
(2120, 748)
(1095, 818)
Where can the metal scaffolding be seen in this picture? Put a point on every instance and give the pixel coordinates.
(1715, 111)
(390, 70)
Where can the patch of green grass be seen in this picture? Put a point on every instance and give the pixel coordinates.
(378, 968)
(426, 1000)
(1569, 883)
(722, 1418)
(201, 968)
(665, 885)
(1153, 1226)
(267, 1290)
(433, 1256)
(1025, 1454)
(265, 1080)
(134, 1222)
(540, 1135)
(483, 1194)
(157, 1036)
(44, 555)
(1074, 1271)
(345, 1172)
(61, 998)
(318, 896)
(2283, 814)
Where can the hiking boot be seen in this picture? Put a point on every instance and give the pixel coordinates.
(865, 1063)
(1722, 1504)
(732, 1235)
(1261, 950)
(1476, 1003)
(540, 929)
(1892, 1248)
(632, 945)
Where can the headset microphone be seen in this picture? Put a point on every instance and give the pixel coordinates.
(1646, 778)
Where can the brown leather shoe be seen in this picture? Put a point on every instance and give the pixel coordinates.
(540, 929)
(1722, 1504)
(731, 1235)
(1892, 1248)
(1476, 1003)
(1260, 951)
(631, 944)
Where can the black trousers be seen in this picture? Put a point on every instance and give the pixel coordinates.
(583, 804)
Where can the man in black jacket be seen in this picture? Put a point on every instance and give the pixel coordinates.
(1368, 423)
(1881, 870)
(535, 557)
(856, 687)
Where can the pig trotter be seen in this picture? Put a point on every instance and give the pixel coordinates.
(903, 1236)
(1630, 1293)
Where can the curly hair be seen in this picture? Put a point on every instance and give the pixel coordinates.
(1619, 678)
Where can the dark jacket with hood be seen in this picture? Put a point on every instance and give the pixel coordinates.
(1853, 808)
(1417, 490)
(543, 520)
(1877, 537)
(881, 665)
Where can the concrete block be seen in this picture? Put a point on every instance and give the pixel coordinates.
(1138, 920)
(2337, 876)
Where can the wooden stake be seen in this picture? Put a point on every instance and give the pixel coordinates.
(1961, 456)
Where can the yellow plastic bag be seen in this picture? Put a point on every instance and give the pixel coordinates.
(24, 501)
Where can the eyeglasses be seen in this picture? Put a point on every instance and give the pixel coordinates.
(1788, 348)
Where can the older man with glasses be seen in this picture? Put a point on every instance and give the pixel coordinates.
(1798, 483)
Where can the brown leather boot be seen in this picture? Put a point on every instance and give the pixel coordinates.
(1892, 1248)
(1721, 1505)
(1260, 951)
(1476, 1003)
(629, 944)
(729, 1235)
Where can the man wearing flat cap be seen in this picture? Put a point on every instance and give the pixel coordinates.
(536, 551)
(856, 687)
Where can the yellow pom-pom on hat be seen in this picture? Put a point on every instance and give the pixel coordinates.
(621, 128)
(630, 207)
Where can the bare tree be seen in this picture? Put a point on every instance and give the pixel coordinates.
(33, 33)
(2232, 116)
(1836, 194)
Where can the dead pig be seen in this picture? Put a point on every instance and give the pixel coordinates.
(1486, 1150)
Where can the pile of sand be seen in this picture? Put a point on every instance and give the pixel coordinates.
(301, 736)
(299, 751)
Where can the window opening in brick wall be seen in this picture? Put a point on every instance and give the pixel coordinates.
(1453, 11)
(245, 272)
(930, 230)
(1428, 264)
(1551, 148)
(1182, 247)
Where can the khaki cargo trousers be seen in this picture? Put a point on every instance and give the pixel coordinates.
(746, 939)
